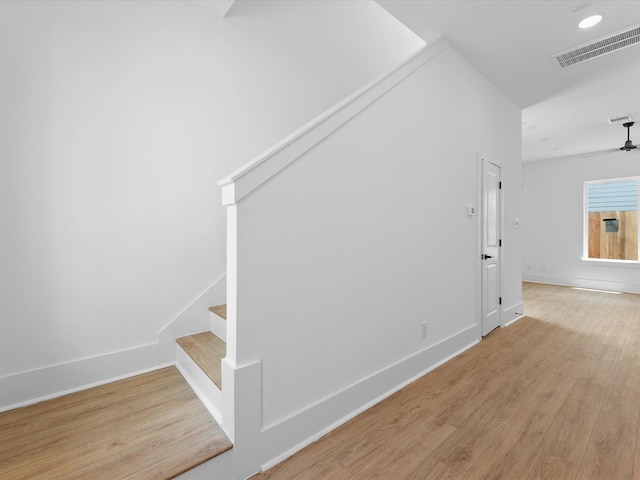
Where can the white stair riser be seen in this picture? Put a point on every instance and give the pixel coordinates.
(218, 467)
(218, 326)
(205, 389)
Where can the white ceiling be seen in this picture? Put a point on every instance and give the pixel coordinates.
(219, 8)
(511, 43)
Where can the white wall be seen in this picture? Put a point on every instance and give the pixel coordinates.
(116, 120)
(346, 251)
(552, 222)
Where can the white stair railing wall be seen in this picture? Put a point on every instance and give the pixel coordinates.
(348, 235)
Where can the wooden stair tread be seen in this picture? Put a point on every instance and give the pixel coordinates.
(148, 426)
(220, 310)
(206, 349)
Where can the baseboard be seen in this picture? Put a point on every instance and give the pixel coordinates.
(193, 319)
(593, 283)
(283, 439)
(25, 388)
(513, 314)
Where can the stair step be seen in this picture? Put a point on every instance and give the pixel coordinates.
(220, 310)
(218, 321)
(142, 427)
(206, 350)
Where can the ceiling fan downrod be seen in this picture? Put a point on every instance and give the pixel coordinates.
(628, 146)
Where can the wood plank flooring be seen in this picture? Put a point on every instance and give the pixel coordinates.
(220, 310)
(150, 426)
(554, 396)
(206, 349)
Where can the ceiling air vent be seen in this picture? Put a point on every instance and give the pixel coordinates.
(621, 119)
(597, 48)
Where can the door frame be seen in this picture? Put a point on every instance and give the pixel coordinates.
(480, 231)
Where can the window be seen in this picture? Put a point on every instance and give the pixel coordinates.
(611, 219)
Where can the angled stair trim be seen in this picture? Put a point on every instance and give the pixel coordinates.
(249, 177)
(193, 319)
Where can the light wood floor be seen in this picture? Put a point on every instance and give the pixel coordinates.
(555, 395)
(206, 350)
(151, 426)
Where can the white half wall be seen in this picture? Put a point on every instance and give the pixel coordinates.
(552, 222)
(344, 253)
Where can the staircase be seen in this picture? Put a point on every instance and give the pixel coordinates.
(150, 426)
(199, 360)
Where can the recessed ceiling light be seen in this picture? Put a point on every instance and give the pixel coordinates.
(590, 21)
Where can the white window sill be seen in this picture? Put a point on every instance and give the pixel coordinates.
(596, 262)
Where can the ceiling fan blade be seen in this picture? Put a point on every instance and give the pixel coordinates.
(606, 150)
(595, 153)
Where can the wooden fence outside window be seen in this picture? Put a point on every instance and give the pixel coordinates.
(620, 245)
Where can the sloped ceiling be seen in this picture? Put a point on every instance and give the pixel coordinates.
(511, 43)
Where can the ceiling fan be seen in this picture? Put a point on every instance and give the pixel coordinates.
(628, 146)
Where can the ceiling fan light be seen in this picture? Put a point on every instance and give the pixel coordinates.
(590, 21)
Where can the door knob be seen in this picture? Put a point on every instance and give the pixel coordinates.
(485, 257)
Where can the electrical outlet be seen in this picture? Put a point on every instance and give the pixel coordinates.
(424, 329)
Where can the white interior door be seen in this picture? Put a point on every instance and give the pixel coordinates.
(490, 257)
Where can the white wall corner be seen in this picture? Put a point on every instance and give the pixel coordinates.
(193, 319)
(512, 314)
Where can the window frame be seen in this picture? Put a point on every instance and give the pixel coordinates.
(585, 226)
